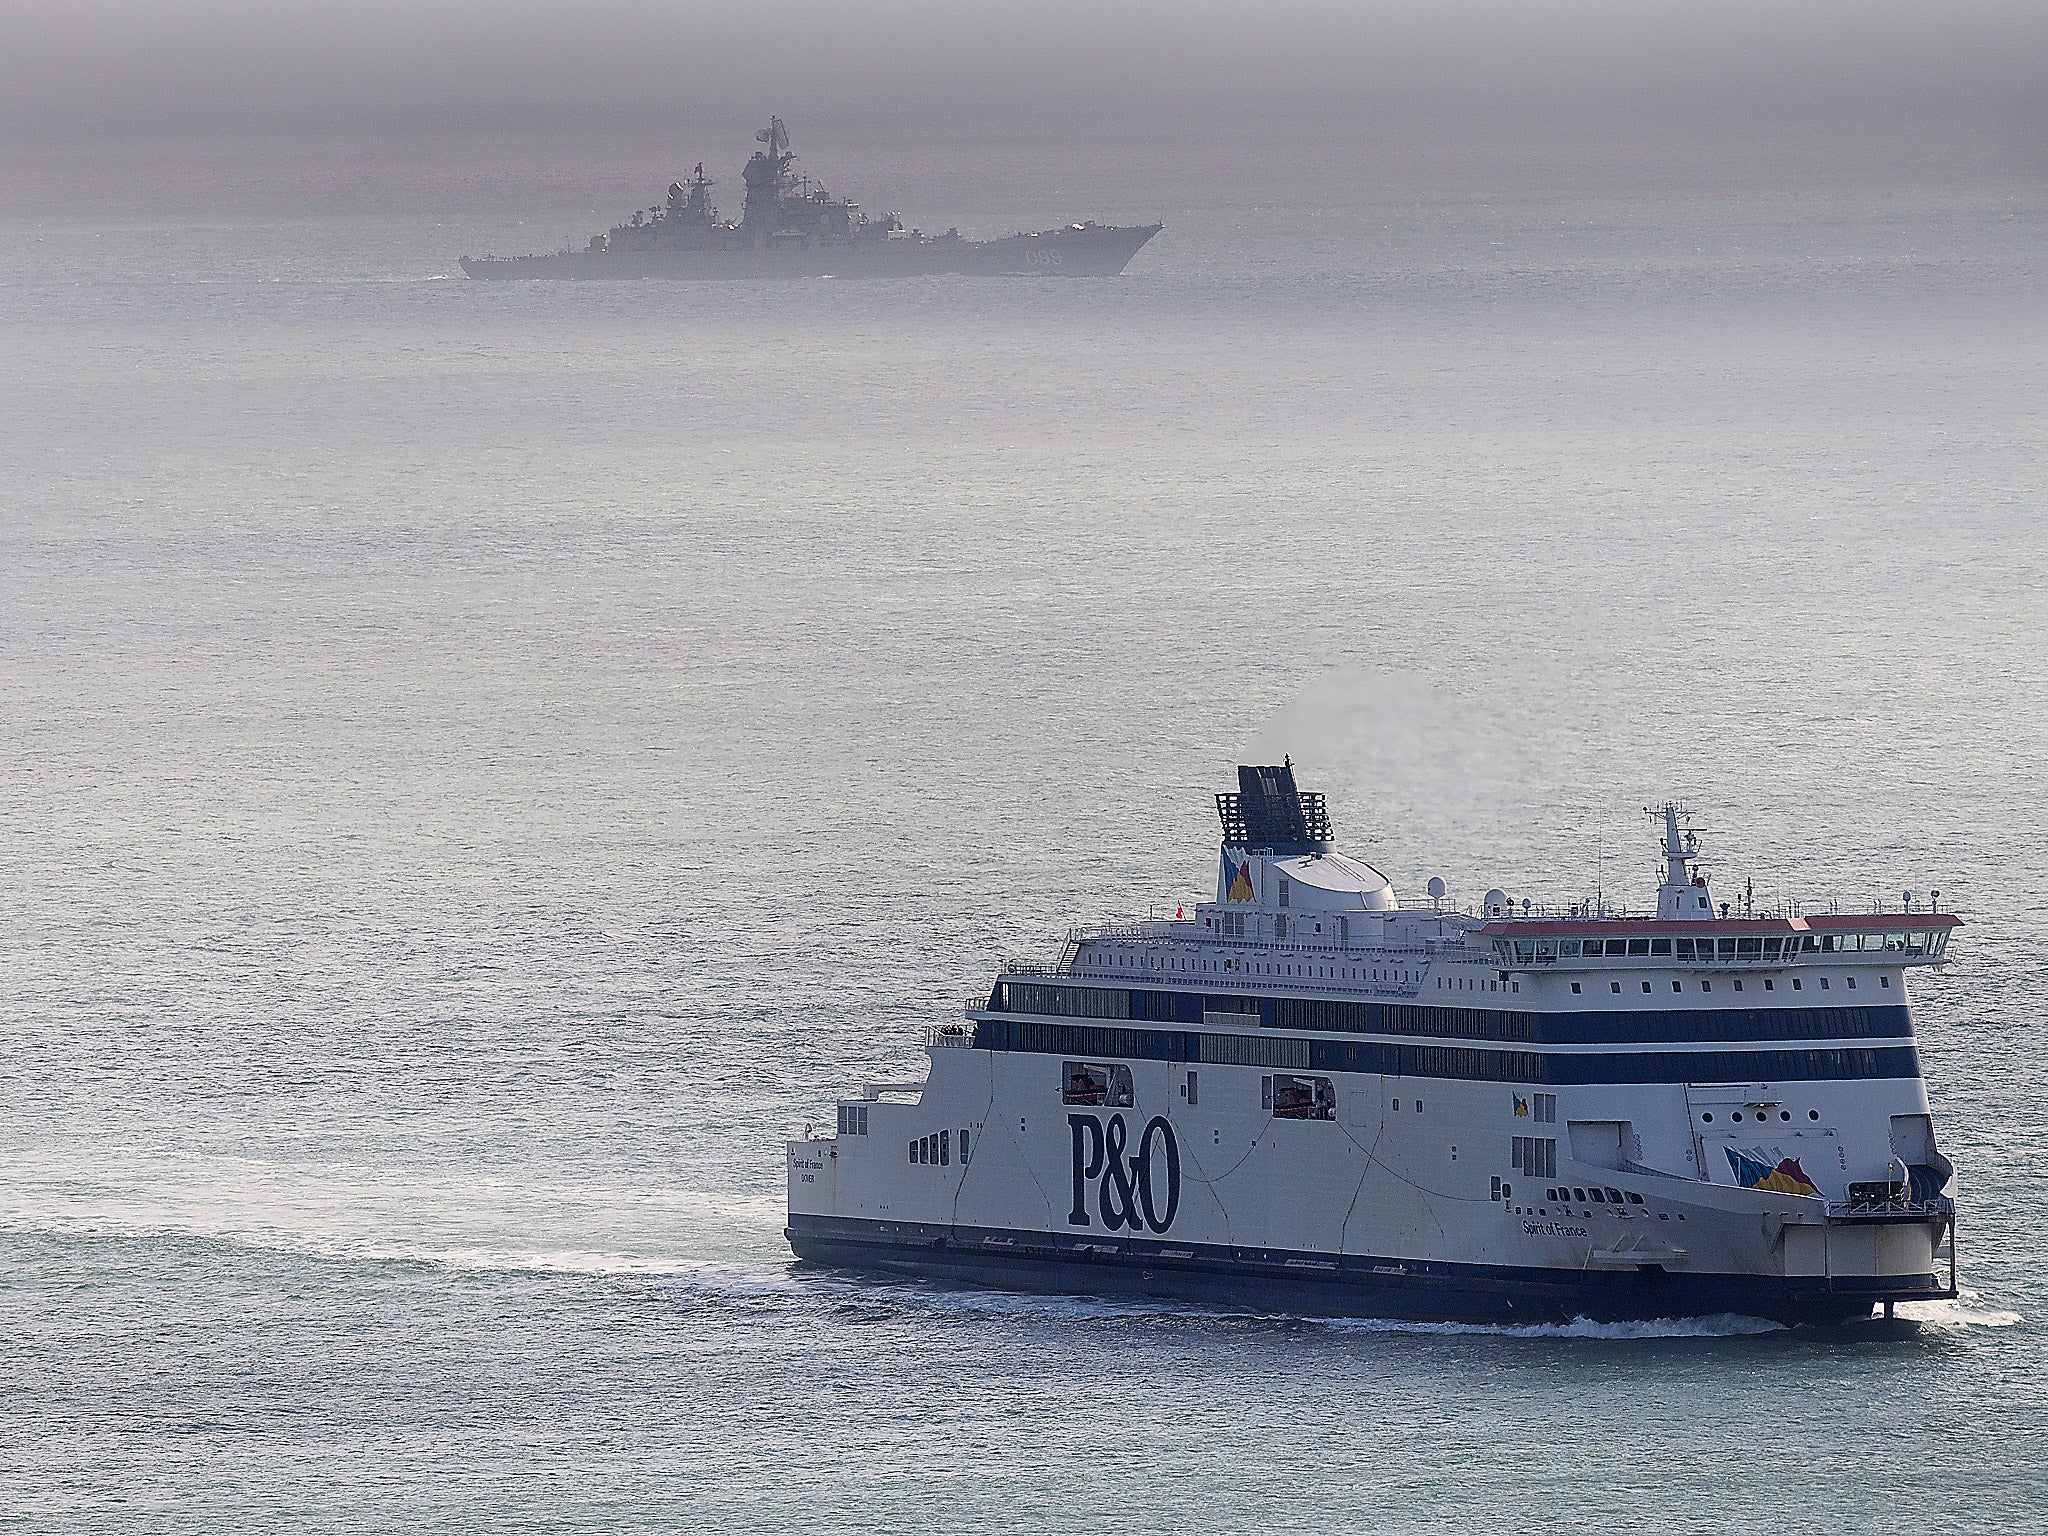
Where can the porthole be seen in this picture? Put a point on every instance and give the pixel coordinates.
(1736, 1117)
(1706, 1119)
(1813, 1114)
(1784, 1114)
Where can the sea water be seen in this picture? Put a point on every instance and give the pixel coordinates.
(484, 763)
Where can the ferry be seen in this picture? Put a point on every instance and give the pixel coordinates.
(1308, 1097)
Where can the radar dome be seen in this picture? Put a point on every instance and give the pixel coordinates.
(1497, 903)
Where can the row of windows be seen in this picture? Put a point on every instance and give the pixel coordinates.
(1481, 1023)
(1144, 960)
(1335, 1016)
(1594, 1195)
(1447, 1061)
(1084, 1002)
(1535, 1156)
(1910, 941)
(1770, 984)
(853, 1119)
(937, 1148)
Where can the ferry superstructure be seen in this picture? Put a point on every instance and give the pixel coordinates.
(1308, 1097)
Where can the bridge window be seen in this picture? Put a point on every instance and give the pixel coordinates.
(853, 1119)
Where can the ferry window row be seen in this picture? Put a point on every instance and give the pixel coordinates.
(1770, 984)
(1593, 1195)
(853, 1119)
(1330, 1015)
(1535, 1156)
(1913, 941)
(1403, 1059)
(936, 1150)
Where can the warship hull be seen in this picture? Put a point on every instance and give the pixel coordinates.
(1084, 251)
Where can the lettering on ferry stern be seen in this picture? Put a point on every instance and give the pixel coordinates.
(1128, 1189)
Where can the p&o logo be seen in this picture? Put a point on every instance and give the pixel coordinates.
(1142, 1189)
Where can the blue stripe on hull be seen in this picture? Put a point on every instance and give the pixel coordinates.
(1330, 1285)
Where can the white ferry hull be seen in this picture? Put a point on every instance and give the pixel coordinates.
(1376, 1212)
(1307, 1098)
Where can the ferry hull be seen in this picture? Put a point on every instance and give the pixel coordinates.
(1330, 1285)
(1307, 1098)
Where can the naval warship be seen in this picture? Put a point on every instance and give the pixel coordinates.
(791, 226)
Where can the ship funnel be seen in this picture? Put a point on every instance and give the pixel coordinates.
(1269, 814)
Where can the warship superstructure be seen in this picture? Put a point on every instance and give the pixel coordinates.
(1307, 1096)
(790, 226)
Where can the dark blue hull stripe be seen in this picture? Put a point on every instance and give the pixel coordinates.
(1345, 1285)
(1810, 1064)
(1583, 1026)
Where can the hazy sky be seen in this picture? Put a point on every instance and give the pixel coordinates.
(85, 69)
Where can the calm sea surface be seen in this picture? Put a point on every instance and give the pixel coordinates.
(483, 763)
